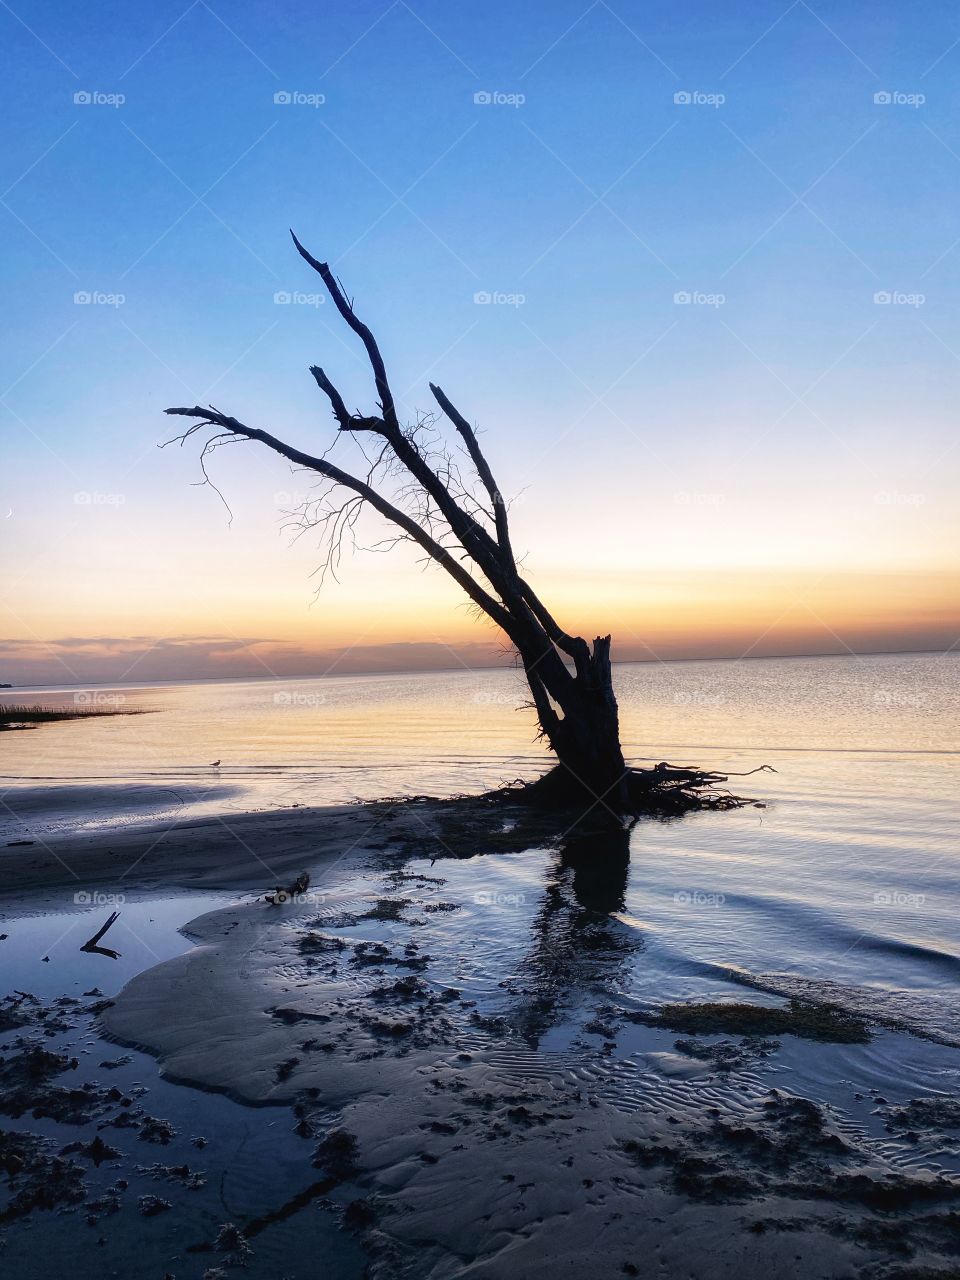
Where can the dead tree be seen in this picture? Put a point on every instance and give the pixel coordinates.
(463, 525)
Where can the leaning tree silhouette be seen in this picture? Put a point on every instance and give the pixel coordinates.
(463, 525)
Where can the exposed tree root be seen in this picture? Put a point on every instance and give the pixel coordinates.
(513, 814)
(665, 790)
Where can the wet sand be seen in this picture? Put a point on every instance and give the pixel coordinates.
(232, 849)
(432, 1064)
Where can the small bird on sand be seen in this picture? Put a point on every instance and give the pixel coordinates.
(214, 764)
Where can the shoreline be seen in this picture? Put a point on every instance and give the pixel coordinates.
(459, 1068)
(228, 851)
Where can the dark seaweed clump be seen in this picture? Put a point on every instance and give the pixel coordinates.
(827, 1022)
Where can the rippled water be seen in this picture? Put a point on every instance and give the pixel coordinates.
(849, 879)
(334, 738)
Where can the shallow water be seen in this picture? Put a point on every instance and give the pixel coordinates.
(246, 1161)
(849, 879)
(326, 740)
(471, 1019)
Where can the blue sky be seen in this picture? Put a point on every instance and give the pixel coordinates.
(782, 428)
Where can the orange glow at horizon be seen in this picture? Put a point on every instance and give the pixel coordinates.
(398, 623)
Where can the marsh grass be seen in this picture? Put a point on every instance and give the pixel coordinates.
(15, 715)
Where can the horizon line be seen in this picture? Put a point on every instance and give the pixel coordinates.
(423, 671)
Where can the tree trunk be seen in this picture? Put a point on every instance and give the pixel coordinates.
(585, 735)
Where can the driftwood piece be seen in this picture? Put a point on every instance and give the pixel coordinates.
(92, 944)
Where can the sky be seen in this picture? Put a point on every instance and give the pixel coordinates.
(693, 269)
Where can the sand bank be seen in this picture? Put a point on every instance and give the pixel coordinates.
(233, 849)
(473, 1077)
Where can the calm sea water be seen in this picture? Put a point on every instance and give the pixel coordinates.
(848, 880)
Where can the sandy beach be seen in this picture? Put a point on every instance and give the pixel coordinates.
(232, 849)
(433, 1062)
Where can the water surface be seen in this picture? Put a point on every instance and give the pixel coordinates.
(849, 879)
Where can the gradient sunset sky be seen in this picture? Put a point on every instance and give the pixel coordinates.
(694, 269)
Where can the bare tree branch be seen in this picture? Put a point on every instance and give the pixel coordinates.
(213, 417)
(359, 328)
(483, 468)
